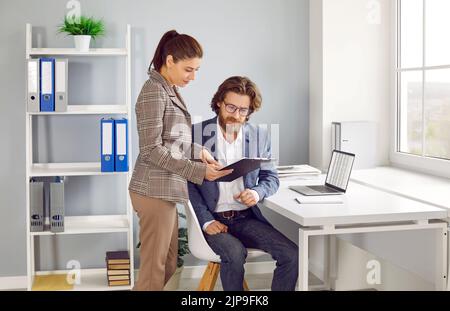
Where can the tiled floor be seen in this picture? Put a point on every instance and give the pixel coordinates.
(254, 281)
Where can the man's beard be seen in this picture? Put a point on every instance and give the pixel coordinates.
(229, 125)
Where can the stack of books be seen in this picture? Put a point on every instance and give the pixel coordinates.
(296, 171)
(118, 268)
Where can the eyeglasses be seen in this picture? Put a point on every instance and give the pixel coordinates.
(232, 108)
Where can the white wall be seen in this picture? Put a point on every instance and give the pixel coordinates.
(316, 83)
(264, 39)
(349, 71)
(352, 272)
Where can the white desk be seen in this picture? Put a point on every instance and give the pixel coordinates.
(414, 185)
(365, 209)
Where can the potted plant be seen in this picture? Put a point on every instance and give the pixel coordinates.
(183, 249)
(82, 29)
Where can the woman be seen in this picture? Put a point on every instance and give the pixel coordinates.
(163, 165)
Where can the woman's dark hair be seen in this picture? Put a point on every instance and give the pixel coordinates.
(241, 86)
(180, 46)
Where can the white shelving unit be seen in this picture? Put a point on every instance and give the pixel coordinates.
(69, 169)
(89, 109)
(91, 279)
(73, 52)
(91, 224)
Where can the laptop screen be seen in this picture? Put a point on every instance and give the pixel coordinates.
(340, 169)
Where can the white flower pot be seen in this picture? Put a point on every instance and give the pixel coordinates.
(82, 43)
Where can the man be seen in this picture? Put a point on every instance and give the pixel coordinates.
(228, 211)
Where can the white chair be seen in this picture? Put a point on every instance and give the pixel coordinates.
(200, 249)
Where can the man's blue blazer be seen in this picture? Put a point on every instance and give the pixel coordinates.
(265, 181)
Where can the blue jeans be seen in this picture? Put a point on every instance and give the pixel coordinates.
(245, 231)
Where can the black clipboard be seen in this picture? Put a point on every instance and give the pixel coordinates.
(242, 167)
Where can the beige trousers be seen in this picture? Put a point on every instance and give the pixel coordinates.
(158, 221)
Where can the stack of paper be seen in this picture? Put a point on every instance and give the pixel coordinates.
(52, 282)
(293, 171)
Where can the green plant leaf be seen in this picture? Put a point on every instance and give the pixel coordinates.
(85, 26)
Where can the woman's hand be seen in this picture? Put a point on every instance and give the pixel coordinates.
(212, 166)
(207, 158)
(212, 172)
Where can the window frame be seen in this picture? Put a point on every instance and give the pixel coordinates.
(434, 166)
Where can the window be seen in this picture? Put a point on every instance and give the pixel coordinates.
(423, 78)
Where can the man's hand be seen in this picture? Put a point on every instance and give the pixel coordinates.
(247, 197)
(216, 227)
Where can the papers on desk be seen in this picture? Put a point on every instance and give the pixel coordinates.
(296, 171)
(329, 199)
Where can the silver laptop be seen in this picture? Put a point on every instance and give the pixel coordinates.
(337, 179)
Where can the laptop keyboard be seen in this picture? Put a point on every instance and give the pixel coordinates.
(322, 189)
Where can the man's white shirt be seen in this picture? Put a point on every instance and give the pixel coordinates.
(228, 153)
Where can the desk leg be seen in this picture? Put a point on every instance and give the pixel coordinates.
(441, 258)
(332, 256)
(303, 239)
(327, 262)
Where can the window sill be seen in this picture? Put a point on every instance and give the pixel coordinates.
(417, 186)
(428, 166)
